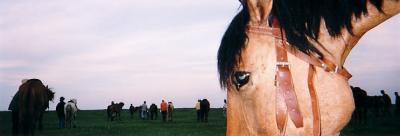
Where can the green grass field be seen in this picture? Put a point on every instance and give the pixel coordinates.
(184, 124)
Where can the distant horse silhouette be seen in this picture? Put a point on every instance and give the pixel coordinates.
(114, 111)
(361, 107)
(28, 106)
(132, 109)
(281, 62)
(70, 110)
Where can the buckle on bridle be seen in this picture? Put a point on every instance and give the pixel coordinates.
(336, 69)
(281, 64)
(326, 68)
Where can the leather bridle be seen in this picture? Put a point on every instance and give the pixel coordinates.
(286, 100)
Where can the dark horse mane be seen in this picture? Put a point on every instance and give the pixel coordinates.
(300, 19)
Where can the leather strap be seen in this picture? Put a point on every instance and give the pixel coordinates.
(286, 96)
(314, 102)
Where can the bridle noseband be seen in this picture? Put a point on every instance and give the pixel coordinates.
(286, 100)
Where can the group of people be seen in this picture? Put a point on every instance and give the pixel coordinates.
(383, 104)
(151, 112)
(202, 108)
(378, 106)
(166, 110)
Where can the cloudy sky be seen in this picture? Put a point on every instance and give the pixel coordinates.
(128, 50)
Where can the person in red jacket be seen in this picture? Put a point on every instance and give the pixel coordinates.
(163, 108)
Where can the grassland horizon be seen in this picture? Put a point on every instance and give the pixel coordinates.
(94, 122)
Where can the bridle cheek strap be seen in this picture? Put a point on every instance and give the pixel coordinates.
(314, 101)
(286, 102)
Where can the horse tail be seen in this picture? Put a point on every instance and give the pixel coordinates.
(68, 115)
(27, 110)
(69, 111)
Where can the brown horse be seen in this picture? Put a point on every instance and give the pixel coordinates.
(28, 106)
(114, 111)
(281, 63)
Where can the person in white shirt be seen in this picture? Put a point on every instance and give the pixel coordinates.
(198, 110)
(144, 110)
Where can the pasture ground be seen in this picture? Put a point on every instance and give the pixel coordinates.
(184, 124)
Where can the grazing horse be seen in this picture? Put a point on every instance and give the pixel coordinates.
(281, 62)
(70, 110)
(28, 106)
(114, 111)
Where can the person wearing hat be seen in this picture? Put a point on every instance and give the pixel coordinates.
(60, 113)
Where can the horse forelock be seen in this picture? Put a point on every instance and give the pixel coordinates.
(231, 46)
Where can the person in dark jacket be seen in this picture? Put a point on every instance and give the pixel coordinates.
(204, 109)
(60, 113)
(131, 110)
(387, 104)
(153, 111)
(397, 103)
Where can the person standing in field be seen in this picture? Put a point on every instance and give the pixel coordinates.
(144, 110)
(387, 103)
(131, 110)
(224, 108)
(197, 107)
(163, 108)
(204, 109)
(397, 103)
(60, 113)
(153, 111)
(170, 111)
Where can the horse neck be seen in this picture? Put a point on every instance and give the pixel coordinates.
(341, 46)
(334, 49)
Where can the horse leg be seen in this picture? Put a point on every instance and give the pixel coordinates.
(40, 122)
(112, 116)
(117, 116)
(15, 123)
(73, 120)
(68, 121)
(33, 125)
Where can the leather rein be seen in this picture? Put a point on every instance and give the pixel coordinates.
(286, 100)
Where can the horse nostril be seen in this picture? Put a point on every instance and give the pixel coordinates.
(240, 78)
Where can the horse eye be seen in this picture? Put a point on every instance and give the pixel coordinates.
(240, 78)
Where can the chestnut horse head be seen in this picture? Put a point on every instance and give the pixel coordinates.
(282, 64)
